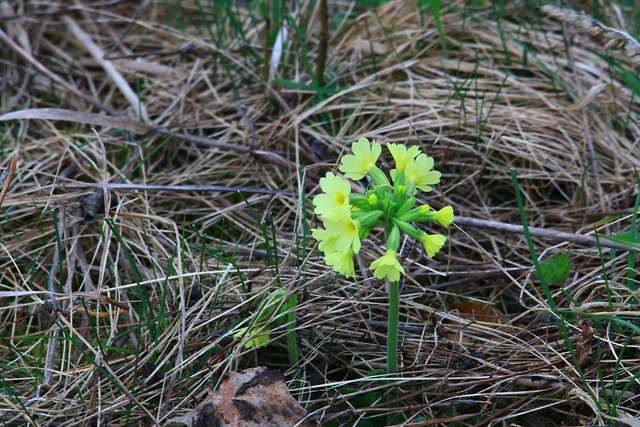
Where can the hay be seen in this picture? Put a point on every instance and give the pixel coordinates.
(143, 307)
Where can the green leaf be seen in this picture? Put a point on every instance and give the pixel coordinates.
(557, 268)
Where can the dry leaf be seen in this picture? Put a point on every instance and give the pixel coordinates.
(583, 346)
(480, 312)
(252, 398)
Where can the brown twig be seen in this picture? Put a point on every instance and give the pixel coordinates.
(557, 236)
(155, 187)
(323, 43)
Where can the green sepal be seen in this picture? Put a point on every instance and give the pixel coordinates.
(393, 239)
(405, 208)
(367, 219)
(359, 201)
(378, 176)
(398, 178)
(408, 228)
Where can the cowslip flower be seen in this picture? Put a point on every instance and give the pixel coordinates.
(348, 218)
(345, 231)
(342, 262)
(418, 174)
(387, 266)
(444, 216)
(327, 242)
(401, 155)
(335, 196)
(365, 155)
(432, 243)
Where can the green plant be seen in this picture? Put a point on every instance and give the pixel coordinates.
(349, 218)
(557, 268)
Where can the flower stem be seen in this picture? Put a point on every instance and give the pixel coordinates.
(392, 329)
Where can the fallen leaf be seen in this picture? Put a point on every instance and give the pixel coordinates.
(252, 398)
(480, 312)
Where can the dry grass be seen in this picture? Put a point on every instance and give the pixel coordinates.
(130, 319)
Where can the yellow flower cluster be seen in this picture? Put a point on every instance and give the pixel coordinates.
(348, 218)
(339, 239)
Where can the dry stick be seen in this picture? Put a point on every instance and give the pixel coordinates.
(155, 187)
(126, 123)
(557, 236)
(7, 177)
(321, 61)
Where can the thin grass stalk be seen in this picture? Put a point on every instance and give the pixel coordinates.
(547, 291)
(633, 230)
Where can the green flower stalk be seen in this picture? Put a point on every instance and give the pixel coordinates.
(349, 218)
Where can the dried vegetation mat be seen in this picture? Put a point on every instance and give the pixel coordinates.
(132, 266)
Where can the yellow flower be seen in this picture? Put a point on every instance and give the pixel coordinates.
(342, 262)
(335, 196)
(444, 216)
(401, 155)
(418, 174)
(365, 154)
(345, 231)
(432, 243)
(387, 266)
(327, 242)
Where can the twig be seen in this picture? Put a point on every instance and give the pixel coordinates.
(155, 187)
(56, 260)
(7, 177)
(122, 122)
(321, 60)
(557, 236)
